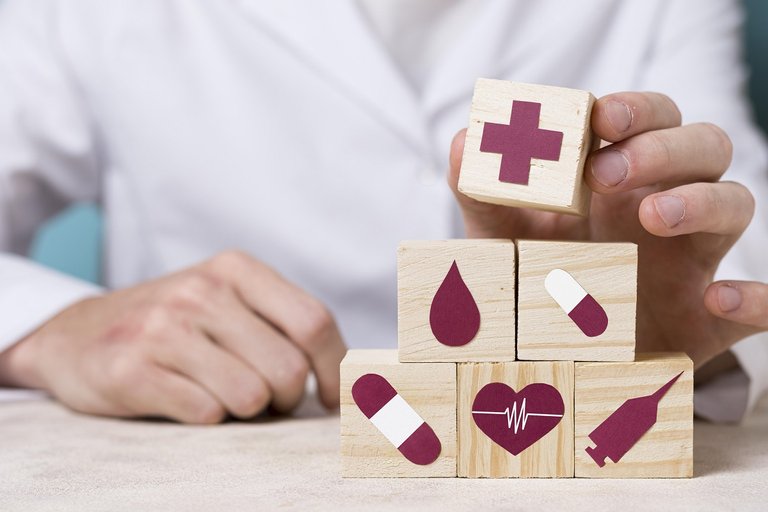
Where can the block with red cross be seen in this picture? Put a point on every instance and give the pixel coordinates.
(526, 146)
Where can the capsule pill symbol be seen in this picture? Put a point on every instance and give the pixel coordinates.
(396, 419)
(579, 305)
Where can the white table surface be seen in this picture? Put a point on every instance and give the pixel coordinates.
(54, 459)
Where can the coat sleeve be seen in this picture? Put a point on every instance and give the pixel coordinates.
(47, 161)
(697, 60)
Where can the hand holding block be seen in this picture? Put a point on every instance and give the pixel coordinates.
(526, 146)
(515, 419)
(635, 419)
(397, 420)
(456, 300)
(577, 301)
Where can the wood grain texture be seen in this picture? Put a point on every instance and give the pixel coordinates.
(429, 388)
(553, 185)
(607, 271)
(666, 450)
(488, 269)
(479, 456)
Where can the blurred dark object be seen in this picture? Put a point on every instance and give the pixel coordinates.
(757, 56)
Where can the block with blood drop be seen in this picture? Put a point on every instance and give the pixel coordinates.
(574, 300)
(395, 419)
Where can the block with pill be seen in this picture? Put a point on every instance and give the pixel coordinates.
(635, 419)
(526, 146)
(515, 419)
(456, 300)
(397, 420)
(577, 301)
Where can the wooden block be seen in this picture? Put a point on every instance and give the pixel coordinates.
(607, 272)
(649, 437)
(526, 146)
(426, 393)
(527, 407)
(480, 313)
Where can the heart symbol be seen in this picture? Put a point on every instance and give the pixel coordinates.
(513, 420)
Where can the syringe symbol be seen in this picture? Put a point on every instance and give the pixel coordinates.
(621, 430)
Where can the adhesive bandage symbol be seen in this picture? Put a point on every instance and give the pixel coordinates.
(396, 419)
(574, 300)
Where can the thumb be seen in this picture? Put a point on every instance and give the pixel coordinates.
(743, 302)
(481, 220)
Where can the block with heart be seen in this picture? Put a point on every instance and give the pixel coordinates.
(635, 419)
(456, 300)
(526, 146)
(515, 419)
(397, 420)
(577, 301)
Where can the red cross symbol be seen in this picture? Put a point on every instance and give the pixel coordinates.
(520, 141)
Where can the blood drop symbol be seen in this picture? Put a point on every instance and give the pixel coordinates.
(453, 316)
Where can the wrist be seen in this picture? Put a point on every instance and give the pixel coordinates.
(18, 364)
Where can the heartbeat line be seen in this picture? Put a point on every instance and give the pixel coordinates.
(516, 418)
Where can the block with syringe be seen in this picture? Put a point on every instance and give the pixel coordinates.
(517, 358)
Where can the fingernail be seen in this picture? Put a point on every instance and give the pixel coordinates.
(610, 167)
(728, 298)
(618, 115)
(671, 209)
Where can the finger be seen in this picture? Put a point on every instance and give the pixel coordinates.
(240, 388)
(482, 220)
(454, 168)
(621, 115)
(301, 317)
(695, 152)
(743, 302)
(157, 391)
(723, 208)
(478, 216)
(283, 367)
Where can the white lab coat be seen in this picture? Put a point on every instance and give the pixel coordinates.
(285, 129)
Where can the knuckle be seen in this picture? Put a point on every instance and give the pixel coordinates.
(659, 146)
(156, 319)
(228, 262)
(669, 106)
(192, 293)
(713, 200)
(317, 322)
(721, 140)
(206, 412)
(250, 401)
(749, 202)
(199, 284)
(124, 373)
(293, 372)
(746, 201)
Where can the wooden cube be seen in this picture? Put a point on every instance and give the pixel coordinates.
(577, 301)
(397, 420)
(526, 146)
(456, 300)
(515, 419)
(635, 420)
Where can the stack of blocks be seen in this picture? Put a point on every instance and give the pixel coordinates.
(517, 359)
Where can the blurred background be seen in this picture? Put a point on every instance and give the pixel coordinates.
(71, 242)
